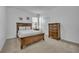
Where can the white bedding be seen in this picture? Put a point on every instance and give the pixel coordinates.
(25, 33)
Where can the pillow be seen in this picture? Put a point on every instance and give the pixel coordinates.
(21, 28)
(28, 28)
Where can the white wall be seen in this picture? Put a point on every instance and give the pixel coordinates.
(67, 16)
(69, 19)
(2, 25)
(13, 15)
(44, 24)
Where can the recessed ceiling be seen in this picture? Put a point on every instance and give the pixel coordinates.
(36, 9)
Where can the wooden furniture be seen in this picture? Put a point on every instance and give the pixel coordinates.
(22, 25)
(25, 41)
(54, 30)
(36, 29)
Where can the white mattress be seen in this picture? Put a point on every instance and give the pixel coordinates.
(25, 33)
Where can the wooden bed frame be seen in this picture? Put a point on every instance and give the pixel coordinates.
(25, 41)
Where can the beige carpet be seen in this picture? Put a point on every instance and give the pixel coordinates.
(47, 46)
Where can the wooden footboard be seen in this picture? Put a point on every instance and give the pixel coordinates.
(25, 41)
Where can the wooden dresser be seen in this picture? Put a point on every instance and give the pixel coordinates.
(54, 30)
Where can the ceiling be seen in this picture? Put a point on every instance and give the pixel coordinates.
(36, 9)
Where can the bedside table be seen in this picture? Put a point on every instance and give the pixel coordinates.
(36, 29)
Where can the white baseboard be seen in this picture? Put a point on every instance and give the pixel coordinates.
(12, 38)
(70, 42)
(0, 49)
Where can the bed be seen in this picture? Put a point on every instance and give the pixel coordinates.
(26, 35)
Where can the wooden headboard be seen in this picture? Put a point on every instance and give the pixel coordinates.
(20, 25)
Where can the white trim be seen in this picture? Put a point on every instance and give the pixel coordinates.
(12, 38)
(0, 49)
(70, 41)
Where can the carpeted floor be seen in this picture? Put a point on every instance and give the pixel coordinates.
(47, 46)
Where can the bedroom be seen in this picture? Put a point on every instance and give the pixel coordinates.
(66, 16)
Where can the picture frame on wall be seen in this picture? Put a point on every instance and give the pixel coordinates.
(28, 18)
(20, 18)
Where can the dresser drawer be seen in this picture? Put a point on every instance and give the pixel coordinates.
(53, 29)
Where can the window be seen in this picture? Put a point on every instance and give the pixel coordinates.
(35, 22)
